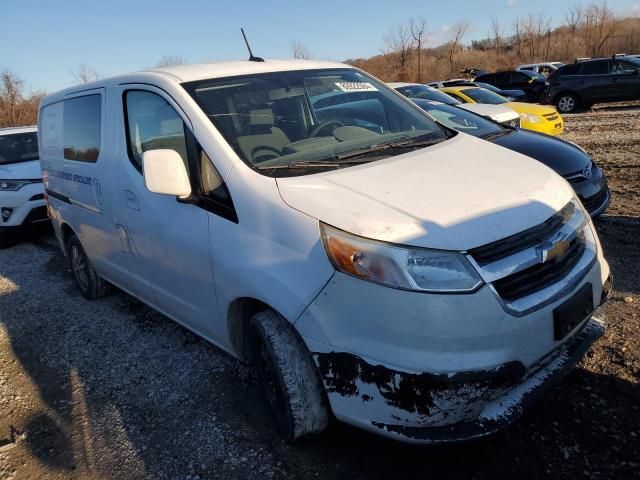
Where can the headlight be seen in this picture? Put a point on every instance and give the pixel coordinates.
(13, 185)
(527, 117)
(417, 269)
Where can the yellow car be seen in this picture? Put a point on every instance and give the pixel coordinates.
(539, 118)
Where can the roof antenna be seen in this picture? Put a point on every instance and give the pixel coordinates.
(251, 57)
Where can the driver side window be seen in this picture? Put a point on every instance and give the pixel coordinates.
(152, 124)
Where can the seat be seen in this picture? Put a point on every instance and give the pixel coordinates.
(262, 140)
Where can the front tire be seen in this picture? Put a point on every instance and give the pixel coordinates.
(567, 103)
(90, 284)
(288, 375)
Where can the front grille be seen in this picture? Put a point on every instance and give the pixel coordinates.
(520, 241)
(594, 202)
(542, 275)
(551, 116)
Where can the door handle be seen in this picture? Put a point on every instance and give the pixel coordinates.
(131, 200)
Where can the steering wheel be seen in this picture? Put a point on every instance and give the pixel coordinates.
(314, 133)
(263, 153)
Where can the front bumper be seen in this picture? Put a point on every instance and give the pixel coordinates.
(499, 395)
(428, 368)
(27, 206)
(554, 127)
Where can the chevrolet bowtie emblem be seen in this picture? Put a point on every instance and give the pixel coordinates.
(552, 250)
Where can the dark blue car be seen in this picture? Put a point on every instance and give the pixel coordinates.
(567, 159)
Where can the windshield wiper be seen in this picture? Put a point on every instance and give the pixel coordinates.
(310, 164)
(403, 144)
(494, 135)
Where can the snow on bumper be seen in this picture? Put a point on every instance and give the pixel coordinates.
(435, 408)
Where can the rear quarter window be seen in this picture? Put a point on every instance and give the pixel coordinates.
(82, 128)
(595, 68)
(573, 69)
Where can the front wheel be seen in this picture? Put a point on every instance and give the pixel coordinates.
(288, 375)
(567, 103)
(91, 285)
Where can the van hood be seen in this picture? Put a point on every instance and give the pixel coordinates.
(457, 195)
(21, 171)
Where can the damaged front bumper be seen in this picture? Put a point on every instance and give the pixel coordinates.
(436, 408)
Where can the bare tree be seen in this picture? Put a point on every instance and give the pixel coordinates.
(574, 19)
(457, 32)
(299, 50)
(497, 31)
(15, 109)
(85, 74)
(517, 37)
(398, 43)
(418, 29)
(167, 60)
(604, 23)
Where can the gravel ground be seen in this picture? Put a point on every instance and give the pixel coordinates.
(111, 389)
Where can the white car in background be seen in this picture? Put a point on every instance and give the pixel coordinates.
(22, 201)
(498, 113)
(544, 68)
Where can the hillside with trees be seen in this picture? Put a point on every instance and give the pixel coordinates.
(587, 31)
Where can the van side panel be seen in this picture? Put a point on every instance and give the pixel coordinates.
(78, 186)
(274, 254)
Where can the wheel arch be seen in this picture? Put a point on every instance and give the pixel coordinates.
(67, 232)
(239, 313)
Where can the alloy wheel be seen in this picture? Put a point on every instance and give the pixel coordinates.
(566, 104)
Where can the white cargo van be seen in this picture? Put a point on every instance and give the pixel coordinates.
(416, 282)
(22, 202)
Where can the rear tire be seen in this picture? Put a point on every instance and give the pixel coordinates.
(288, 375)
(90, 284)
(567, 103)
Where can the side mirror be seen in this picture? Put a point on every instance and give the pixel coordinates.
(164, 173)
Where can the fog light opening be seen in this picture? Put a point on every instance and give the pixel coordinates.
(6, 213)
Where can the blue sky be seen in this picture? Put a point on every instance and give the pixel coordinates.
(43, 41)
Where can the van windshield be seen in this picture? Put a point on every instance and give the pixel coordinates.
(18, 147)
(308, 119)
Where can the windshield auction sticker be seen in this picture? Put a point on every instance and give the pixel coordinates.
(356, 87)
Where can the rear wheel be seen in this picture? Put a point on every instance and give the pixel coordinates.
(567, 103)
(91, 285)
(288, 375)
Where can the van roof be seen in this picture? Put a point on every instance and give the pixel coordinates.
(201, 71)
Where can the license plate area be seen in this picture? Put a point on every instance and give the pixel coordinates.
(568, 316)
